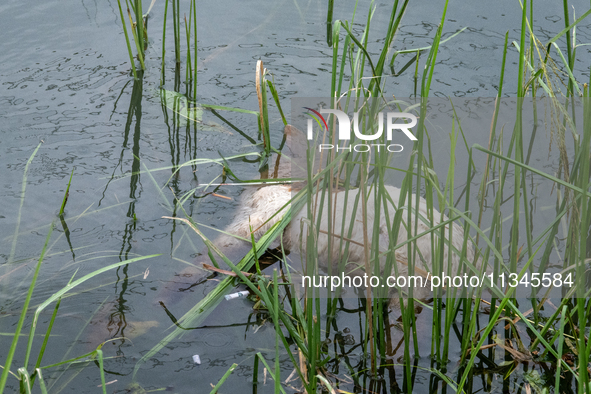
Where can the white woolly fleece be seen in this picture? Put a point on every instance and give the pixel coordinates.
(259, 206)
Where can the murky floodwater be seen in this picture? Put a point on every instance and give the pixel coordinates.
(64, 81)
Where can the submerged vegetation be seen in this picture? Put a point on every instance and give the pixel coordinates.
(476, 341)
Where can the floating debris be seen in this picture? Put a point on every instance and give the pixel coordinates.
(240, 294)
(196, 359)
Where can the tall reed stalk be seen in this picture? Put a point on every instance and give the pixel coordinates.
(139, 31)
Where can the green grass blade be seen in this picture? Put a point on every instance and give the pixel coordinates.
(277, 330)
(269, 369)
(47, 333)
(66, 194)
(22, 202)
(25, 381)
(223, 379)
(194, 4)
(70, 286)
(568, 70)
(127, 41)
(566, 29)
(422, 49)
(276, 98)
(392, 29)
(559, 350)
(431, 60)
(99, 354)
(42, 386)
(21, 321)
(534, 170)
(163, 42)
(137, 43)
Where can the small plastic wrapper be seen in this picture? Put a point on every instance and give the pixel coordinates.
(240, 294)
